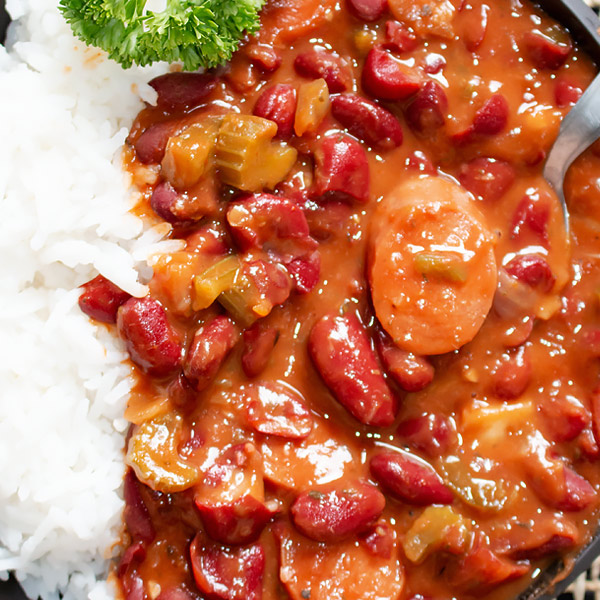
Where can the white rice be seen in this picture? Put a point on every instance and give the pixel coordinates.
(64, 115)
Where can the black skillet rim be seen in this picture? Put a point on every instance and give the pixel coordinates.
(583, 25)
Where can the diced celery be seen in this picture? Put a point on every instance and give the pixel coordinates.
(247, 157)
(313, 105)
(214, 281)
(189, 154)
(152, 453)
(448, 266)
(437, 528)
(244, 302)
(475, 489)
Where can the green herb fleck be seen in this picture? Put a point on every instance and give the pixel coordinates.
(199, 33)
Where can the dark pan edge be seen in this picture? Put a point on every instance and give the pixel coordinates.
(583, 24)
(4, 23)
(581, 21)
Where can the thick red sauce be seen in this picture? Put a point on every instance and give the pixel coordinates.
(411, 409)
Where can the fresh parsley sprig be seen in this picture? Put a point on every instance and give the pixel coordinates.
(199, 33)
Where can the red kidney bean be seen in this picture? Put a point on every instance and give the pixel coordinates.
(487, 178)
(434, 63)
(235, 523)
(136, 515)
(150, 146)
(595, 409)
(182, 90)
(272, 223)
(489, 120)
(383, 77)
(473, 25)
(150, 339)
(275, 409)
(399, 38)
(368, 10)
(227, 573)
(181, 393)
(263, 56)
(132, 583)
(419, 161)
(533, 214)
(587, 445)
(328, 220)
(561, 487)
(411, 372)
(229, 501)
(426, 112)
(481, 570)
(278, 104)
(336, 513)
(548, 49)
(341, 351)
(512, 376)
(431, 434)
(579, 493)
(532, 270)
(259, 341)
(135, 554)
(341, 170)
(409, 479)
(305, 272)
(211, 344)
(566, 417)
(367, 121)
(321, 64)
(100, 299)
(556, 543)
(270, 279)
(164, 201)
(566, 91)
(379, 540)
(492, 117)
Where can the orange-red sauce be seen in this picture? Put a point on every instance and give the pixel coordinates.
(508, 396)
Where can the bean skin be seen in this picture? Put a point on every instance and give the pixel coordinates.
(100, 299)
(341, 351)
(332, 515)
(409, 479)
(150, 339)
(367, 121)
(210, 347)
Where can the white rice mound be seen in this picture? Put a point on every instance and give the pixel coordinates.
(64, 115)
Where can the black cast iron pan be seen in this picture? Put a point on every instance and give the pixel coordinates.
(583, 24)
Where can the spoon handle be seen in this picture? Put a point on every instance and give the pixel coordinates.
(578, 130)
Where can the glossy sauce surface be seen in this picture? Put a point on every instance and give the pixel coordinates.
(494, 436)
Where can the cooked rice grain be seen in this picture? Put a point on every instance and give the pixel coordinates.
(64, 112)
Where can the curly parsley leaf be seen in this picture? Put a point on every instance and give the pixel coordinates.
(199, 33)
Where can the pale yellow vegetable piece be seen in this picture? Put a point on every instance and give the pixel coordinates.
(189, 154)
(214, 281)
(436, 528)
(153, 455)
(313, 105)
(247, 157)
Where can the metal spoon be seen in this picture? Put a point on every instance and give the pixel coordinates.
(578, 130)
